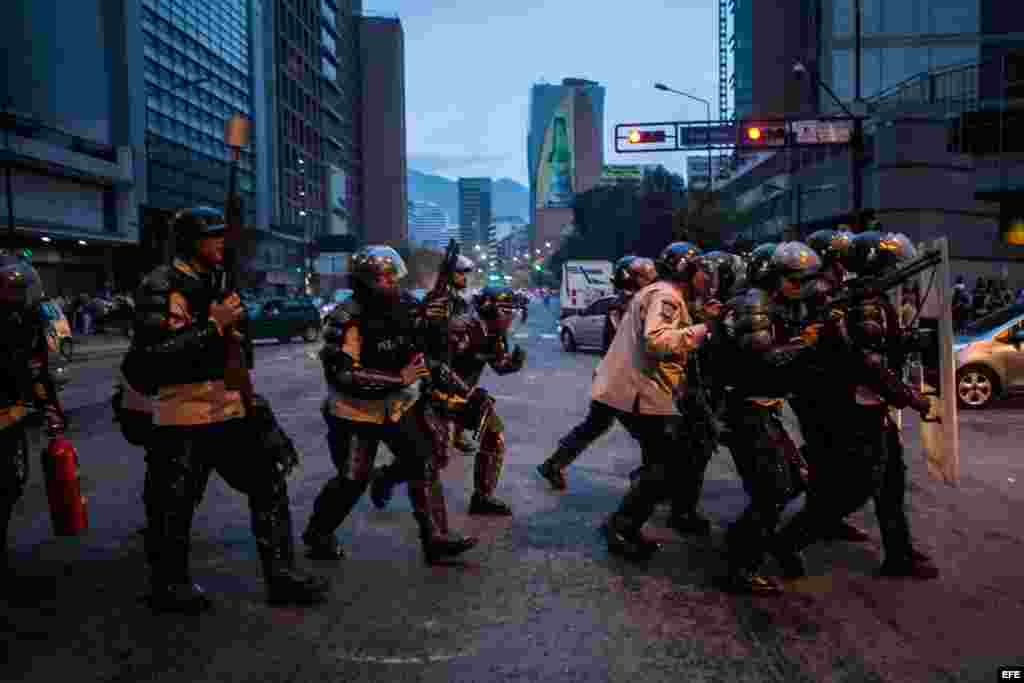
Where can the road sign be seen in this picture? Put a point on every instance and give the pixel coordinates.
(700, 135)
(822, 131)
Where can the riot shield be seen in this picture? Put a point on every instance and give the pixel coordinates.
(940, 431)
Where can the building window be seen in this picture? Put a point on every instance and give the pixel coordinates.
(328, 14)
(952, 16)
(952, 55)
(842, 74)
(870, 72)
(328, 70)
(328, 41)
(842, 18)
(899, 17)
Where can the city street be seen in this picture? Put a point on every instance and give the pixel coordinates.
(539, 599)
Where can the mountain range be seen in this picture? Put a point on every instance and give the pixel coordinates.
(509, 198)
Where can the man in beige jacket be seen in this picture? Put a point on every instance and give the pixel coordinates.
(640, 378)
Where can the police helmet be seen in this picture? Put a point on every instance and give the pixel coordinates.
(620, 273)
(759, 263)
(833, 246)
(463, 264)
(872, 252)
(795, 260)
(676, 261)
(20, 285)
(375, 260)
(191, 225)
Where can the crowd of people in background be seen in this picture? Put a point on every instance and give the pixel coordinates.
(988, 295)
(95, 313)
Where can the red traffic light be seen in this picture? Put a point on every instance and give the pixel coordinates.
(641, 136)
(761, 135)
(754, 133)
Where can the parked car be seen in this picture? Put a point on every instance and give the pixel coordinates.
(284, 319)
(989, 358)
(586, 328)
(59, 333)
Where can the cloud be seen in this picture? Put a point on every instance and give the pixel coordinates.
(457, 164)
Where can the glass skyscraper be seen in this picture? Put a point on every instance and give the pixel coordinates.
(185, 41)
(900, 39)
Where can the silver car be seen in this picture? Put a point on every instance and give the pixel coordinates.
(990, 358)
(586, 329)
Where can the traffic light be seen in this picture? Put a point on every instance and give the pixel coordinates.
(641, 136)
(757, 135)
(1011, 222)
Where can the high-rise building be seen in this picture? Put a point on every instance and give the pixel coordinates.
(763, 83)
(72, 92)
(565, 150)
(475, 201)
(428, 225)
(898, 40)
(385, 192)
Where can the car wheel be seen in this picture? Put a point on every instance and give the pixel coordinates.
(568, 342)
(976, 387)
(311, 334)
(67, 348)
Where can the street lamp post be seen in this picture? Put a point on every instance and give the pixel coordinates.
(856, 140)
(707, 105)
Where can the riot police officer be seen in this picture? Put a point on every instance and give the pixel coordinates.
(867, 451)
(631, 275)
(200, 425)
(812, 413)
(375, 368)
(760, 374)
(640, 378)
(23, 382)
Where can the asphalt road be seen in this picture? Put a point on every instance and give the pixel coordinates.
(540, 599)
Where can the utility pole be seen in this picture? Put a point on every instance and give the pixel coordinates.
(857, 141)
(8, 124)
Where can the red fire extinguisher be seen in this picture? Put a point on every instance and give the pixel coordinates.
(64, 488)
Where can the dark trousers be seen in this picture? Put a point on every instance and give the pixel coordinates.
(13, 475)
(866, 453)
(179, 461)
(664, 464)
(599, 420)
(353, 447)
(760, 446)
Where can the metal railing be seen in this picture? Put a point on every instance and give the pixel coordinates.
(952, 90)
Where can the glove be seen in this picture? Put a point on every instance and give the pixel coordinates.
(920, 403)
(810, 334)
(477, 405)
(437, 310)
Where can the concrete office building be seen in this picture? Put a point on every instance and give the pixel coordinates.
(923, 64)
(73, 137)
(475, 201)
(385, 194)
(564, 150)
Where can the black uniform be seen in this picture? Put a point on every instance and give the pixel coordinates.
(864, 443)
(23, 382)
(200, 426)
(367, 343)
(760, 374)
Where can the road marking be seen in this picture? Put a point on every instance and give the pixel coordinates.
(549, 336)
(520, 335)
(421, 659)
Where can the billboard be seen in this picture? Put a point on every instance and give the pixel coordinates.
(555, 179)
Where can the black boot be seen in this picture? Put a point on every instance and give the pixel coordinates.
(436, 546)
(382, 487)
(554, 475)
(488, 505)
(168, 545)
(690, 524)
(286, 585)
(627, 540)
(845, 531)
(330, 509)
